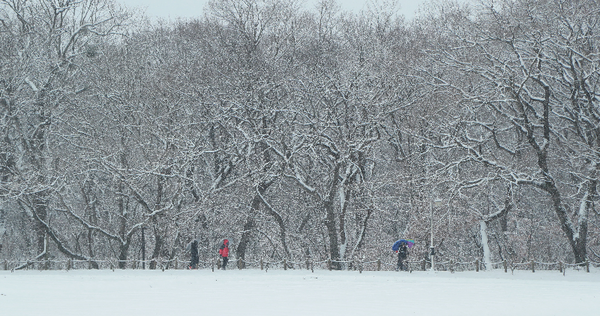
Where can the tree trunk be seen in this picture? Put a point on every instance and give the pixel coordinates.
(280, 223)
(328, 205)
(123, 247)
(123, 251)
(40, 207)
(344, 194)
(250, 221)
(487, 256)
(577, 239)
(158, 244)
(362, 234)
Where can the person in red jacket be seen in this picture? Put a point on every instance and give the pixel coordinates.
(224, 252)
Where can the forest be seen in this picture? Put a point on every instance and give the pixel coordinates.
(300, 133)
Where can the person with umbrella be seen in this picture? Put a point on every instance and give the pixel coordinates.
(401, 247)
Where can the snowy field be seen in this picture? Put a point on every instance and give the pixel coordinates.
(298, 292)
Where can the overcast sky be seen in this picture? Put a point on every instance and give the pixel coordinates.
(172, 9)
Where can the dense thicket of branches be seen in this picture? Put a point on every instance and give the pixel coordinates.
(300, 134)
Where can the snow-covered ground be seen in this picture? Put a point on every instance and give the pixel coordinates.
(297, 292)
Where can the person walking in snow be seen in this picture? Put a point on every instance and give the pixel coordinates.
(402, 255)
(224, 252)
(194, 253)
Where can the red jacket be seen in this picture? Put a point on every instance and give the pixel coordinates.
(224, 249)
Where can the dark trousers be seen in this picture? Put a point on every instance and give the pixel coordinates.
(225, 260)
(401, 265)
(194, 262)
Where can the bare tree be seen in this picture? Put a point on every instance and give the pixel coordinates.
(527, 70)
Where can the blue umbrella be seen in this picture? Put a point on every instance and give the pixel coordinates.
(408, 242)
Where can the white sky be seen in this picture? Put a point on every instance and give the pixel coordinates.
(172, 9)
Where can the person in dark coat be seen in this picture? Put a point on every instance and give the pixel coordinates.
(224, 252)
(402, 255)
(194, 252)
